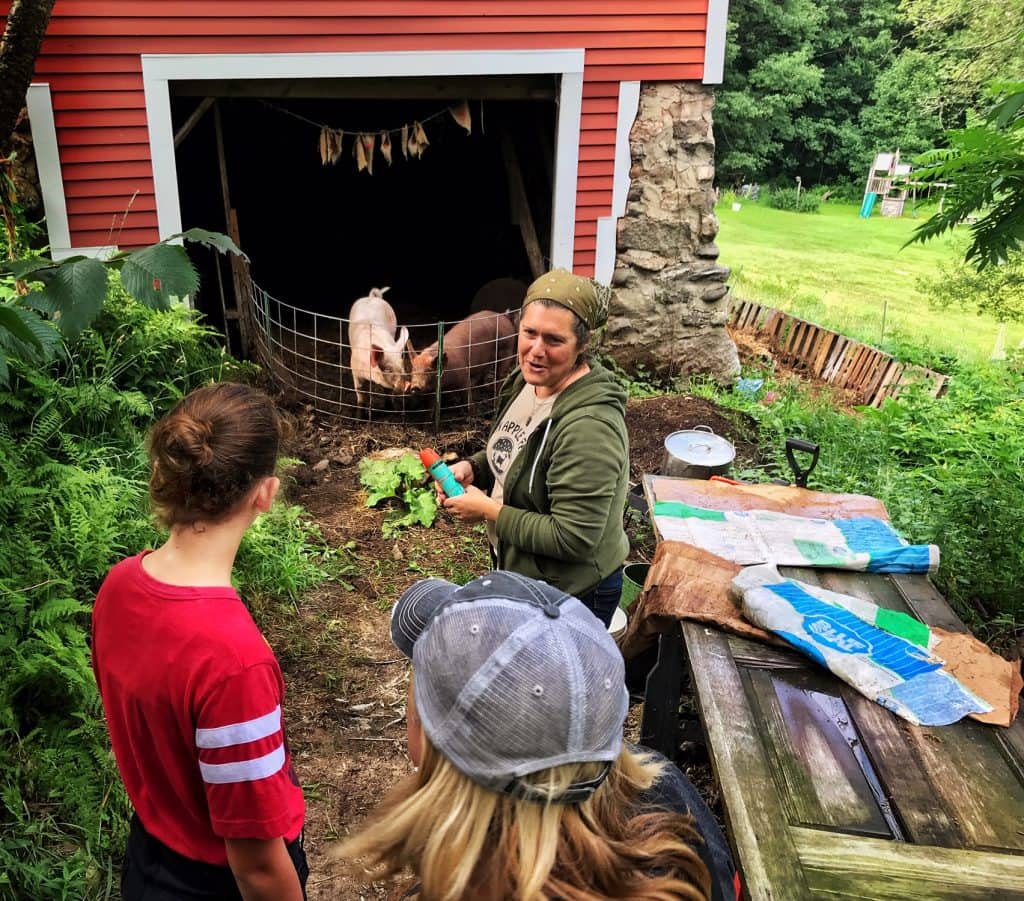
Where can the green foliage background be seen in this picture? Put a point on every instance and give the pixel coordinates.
(73, 500)
(816, 89)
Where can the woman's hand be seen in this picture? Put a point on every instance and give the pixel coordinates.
(473, 506)
(463, 473)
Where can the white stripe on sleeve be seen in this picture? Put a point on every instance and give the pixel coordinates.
(240, 733)
(243, 770)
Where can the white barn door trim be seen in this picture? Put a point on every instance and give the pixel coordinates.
(160, 69)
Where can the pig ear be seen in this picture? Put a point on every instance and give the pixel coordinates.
(403, 338)
(444, 360)
(375, 355)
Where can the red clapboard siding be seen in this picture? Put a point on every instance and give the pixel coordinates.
(92, 61)
(124, 62)
(596, 184)
(116, 190)
(354, 9)
(601, 167)
(103, 137)
(118, 220)
(80, 206)
(348, 43)
(104, 153)
(593, 89)
(637, 30)
(102, 170)
(125, 237)
(67, 100)
(113, 118)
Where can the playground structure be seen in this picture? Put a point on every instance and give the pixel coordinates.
(888, 178)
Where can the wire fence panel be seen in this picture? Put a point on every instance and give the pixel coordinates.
(451, 370)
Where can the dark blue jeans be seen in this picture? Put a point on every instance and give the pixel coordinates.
(605, 598)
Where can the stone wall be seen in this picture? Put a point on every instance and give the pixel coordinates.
(669, 302)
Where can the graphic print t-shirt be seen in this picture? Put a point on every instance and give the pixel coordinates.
(520, 421)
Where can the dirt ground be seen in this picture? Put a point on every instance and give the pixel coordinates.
(346, 682)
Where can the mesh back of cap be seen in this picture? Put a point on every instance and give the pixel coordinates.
(507, 690)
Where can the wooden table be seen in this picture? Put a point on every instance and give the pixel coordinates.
(829, 795)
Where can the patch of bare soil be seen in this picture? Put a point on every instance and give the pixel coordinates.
(346, 682)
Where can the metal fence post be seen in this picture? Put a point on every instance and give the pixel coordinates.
(440, 372)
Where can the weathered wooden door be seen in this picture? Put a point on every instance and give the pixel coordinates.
(829, 795)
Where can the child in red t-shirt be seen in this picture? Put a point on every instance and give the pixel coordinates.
(191, 690)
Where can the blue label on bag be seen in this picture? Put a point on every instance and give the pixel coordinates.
(840, 630)
(831, 633)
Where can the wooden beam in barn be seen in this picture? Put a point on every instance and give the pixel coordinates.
(193, 120)
(238, 273)
(520, 205)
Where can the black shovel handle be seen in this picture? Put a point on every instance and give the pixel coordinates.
(808, 447)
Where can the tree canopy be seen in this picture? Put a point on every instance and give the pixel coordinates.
(816, 89)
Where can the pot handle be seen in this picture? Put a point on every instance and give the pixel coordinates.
(704, 428)
(807, 447)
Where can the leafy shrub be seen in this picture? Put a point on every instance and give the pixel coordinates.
(789, 199)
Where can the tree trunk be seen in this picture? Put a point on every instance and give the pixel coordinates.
(22, 41)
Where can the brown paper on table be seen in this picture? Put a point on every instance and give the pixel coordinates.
(780, 498)
(984, 672)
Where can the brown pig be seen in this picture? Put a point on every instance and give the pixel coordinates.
(480, 350)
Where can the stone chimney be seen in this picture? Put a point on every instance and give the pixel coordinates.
(669, 303)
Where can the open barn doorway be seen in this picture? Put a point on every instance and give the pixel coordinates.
(473, 206)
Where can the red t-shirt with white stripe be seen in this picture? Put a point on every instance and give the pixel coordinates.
(192, 696)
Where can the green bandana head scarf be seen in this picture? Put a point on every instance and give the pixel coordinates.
(572, 292)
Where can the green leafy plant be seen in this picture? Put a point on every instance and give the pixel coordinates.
(794, 201)
(401, 479)
(43, 299)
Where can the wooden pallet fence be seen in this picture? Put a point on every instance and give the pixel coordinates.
(873, 374)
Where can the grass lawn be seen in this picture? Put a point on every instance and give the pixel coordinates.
(849, 274)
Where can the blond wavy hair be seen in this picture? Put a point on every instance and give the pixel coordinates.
(466, 842)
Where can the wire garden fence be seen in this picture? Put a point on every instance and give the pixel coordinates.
(446, 370)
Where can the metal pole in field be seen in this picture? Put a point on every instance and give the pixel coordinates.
(440, 372)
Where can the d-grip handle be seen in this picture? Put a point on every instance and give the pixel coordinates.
(809, 447)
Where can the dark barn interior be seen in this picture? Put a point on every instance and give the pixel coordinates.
(433, 229)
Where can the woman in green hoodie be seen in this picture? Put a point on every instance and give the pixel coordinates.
(551, 483)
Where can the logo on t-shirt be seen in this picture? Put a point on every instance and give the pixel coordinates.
(501, 452)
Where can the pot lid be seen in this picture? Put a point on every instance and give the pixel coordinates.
(698, 447)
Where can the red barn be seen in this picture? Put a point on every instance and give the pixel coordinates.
(151, 116)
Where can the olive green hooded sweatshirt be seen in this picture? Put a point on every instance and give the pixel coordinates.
(565, 492)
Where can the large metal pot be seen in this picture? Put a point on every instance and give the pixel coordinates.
(697, 453)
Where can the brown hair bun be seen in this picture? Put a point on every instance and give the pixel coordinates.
(209, 451)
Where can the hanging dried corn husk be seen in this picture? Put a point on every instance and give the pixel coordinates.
(338, 142)
(405, 142)
(359, 152)
(325, 145)
(385, 146)
(368, 142)
(460, 113)
(421, 137)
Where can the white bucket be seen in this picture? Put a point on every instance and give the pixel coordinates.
(618, 624)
